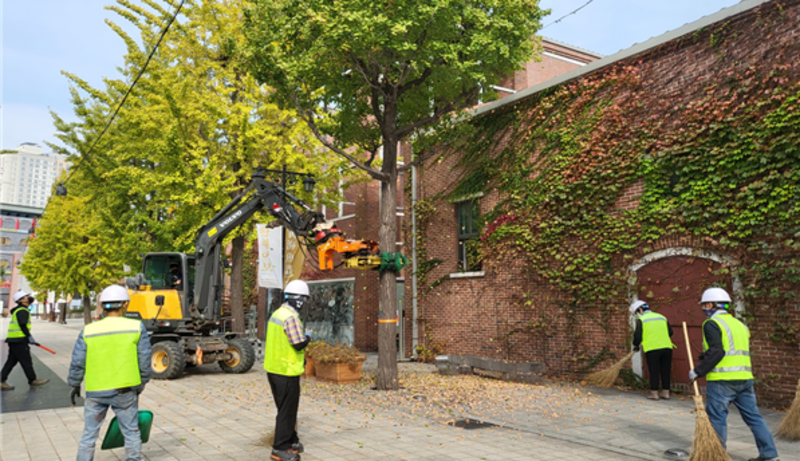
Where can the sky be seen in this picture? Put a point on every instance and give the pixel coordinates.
(43, 37)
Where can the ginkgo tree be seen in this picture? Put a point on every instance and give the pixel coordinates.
(188, 137)
(366, 75)
(72, 252)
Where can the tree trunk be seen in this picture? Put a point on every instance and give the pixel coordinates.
(237, 285)
(387, 291)
(86, 300)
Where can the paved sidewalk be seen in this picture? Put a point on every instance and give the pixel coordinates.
(208, 415)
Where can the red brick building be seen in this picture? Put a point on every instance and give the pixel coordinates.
(357, 291)
(497, 309)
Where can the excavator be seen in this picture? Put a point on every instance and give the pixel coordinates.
(178, 296)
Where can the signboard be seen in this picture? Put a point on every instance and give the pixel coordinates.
(270, 265)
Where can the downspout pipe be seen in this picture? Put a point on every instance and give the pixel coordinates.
(414, 266)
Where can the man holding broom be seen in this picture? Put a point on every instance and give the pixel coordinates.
(652, 334)
(727, 367)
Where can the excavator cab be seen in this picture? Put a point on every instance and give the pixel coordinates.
(162, 293)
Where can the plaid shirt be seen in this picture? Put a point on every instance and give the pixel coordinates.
(293, 327)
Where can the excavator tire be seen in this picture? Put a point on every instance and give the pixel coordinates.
(243, 356)
(168, 361)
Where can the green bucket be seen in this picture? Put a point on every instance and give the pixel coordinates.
(114, 438)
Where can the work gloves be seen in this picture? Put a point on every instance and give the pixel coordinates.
(636, 348)
(309, 333)
(32, 341)
(692, 376)
(75, 392)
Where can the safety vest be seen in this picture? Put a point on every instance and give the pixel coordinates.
(655, 332)
(735, 365)
(112, 358)
(279, 355)
(14, 330)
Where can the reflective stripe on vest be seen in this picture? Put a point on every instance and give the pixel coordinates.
(112, 356)
(655, 332)
(279, 355)
(736, 364)
(14, 330)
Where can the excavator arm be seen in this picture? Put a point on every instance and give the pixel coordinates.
(260, 195)
(307, 224)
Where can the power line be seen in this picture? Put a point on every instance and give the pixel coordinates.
(568, 14)
(127, 93)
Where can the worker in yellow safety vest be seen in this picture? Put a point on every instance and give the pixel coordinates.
(19, 341)
(284, 359)
(726, 364)
(113, 356)
(652, 334)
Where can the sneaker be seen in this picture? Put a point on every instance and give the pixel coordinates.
(6, 386)
(280, 455)
(39, 382)
(664, 395)
(297, 447)
(761, 458)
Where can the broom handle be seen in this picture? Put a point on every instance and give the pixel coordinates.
(689, 354)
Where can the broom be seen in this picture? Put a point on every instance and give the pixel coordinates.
(790, 426)
(607, 377)
(706, 445)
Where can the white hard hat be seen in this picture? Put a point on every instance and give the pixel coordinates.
(636, 305)
(296, 287)
(19, 295)
(112, 295)
(715, 295)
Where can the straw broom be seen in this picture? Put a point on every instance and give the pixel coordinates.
(706, 445)
(790, 426)
(607, 377)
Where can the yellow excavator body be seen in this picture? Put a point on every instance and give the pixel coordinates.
(143, 301)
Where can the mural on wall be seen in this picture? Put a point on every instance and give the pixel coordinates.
(330, 312)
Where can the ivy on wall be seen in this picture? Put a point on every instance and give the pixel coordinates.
(720, 161)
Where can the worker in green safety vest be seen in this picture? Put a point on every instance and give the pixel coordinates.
(113, 356)
(652, 334)
(19, 341)
(284, 360)
(726, 364)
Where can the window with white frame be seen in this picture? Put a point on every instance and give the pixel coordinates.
(467, 216)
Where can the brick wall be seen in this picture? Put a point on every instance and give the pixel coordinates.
(546, 67)
(478, 315)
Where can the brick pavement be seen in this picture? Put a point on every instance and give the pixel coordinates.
(208, 415)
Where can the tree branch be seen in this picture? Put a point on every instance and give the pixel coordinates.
(437, 114)
(417, 161)
(308, 117)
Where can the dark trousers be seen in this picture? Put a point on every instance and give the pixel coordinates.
(286, 392)
(659, 362)
(19, 353)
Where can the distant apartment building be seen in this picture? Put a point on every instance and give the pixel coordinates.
(16, 226)
(26, 179)
(27, 176)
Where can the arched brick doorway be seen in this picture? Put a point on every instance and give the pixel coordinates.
(672, 283)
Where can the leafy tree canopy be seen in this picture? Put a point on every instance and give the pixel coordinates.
(381, 70)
